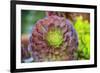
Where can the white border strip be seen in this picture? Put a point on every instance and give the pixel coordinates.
(51, 64)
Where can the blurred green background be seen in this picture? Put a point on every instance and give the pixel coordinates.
(29, 18)
(80, 23)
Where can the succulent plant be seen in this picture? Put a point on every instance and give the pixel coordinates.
(83, 51)
(53, 38)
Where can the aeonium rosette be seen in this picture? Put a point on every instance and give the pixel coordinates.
(53, 39)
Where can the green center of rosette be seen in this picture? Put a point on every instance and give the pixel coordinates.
(54, 37)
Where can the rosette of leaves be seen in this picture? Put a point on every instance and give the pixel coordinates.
(83, 29)
(53, 39)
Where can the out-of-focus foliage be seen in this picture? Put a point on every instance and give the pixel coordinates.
(29, 18)
(83, 30)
